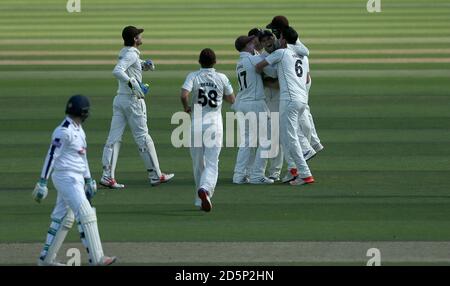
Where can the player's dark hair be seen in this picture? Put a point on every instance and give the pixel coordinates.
(207, 58)
(290, 35)
(255, 32)
(128, 42)
(128, 35)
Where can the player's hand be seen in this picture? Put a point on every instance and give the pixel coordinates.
(40, 190)
(136, 87)
(145, 87)
(148, 65)
(188, 110)
(90, 188)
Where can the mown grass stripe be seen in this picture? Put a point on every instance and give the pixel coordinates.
(230, 41)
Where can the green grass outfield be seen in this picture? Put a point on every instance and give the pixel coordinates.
(380, 99)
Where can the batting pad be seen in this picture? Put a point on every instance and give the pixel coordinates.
(148, 154)
(61, 228)
(89, 232)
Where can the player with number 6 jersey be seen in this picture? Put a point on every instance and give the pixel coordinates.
(293, 101)
(208, 88)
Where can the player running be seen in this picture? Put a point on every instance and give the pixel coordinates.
(129, 108)
(208, 87)
(293, 100)
(72, 180)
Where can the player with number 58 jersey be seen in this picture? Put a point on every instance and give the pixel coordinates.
(207, 88)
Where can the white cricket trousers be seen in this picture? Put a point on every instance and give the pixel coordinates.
(310, 128)
(290, 134)
(249, 161)
(276, 163)
(132, 111)
(70, 188)
(205, 158)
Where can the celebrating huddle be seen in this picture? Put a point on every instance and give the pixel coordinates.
(273, 76)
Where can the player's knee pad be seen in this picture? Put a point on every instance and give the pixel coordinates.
(69, 219)
(144, 143)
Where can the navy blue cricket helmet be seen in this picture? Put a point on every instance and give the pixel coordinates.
(78, 105)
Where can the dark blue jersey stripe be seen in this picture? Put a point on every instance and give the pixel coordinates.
(52, 152)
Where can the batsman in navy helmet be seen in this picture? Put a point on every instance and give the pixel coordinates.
(66, 161)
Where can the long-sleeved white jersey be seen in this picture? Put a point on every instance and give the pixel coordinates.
(67, 152)
(291, 74)
(299, 48)
(129, 65)
(251, 85)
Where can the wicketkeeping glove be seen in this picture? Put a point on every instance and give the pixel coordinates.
(136, 88)
(40, 190)
(148, 65)
(90, 188)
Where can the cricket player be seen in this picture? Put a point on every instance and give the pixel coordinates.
(278, 23)
(250, 100)
(272, 97)
(72, 179)
(273, 102)
(208, 88)
(129, 108)
(293, 100)
(307, 122)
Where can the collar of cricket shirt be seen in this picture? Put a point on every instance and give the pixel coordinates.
(135, 50)
(207, 69)
(75, 125)
(245, 54)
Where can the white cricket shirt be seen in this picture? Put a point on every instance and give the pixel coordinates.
(129, 65)
(291, 74)
(207, 87)
(67, 151)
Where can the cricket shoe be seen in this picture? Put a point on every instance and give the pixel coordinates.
(309, 154)
(163, 179)
(302, 181)
(110, 183)
(290, 176)
(50, 263)
(241, 181)
(318, 147)
(106, 261)
(275, 178)
(262, 181)
(206, 201)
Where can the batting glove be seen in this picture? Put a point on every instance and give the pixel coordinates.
(136, 88)
(40, 190)
(148, 65)
(90, 188)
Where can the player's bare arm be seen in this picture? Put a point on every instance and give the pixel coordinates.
(230, 98)
(271, 82)
(185, 100)
(261, 65)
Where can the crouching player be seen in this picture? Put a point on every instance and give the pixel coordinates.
(208, 88)
(72, 179)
